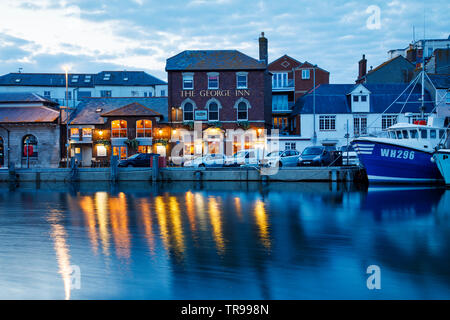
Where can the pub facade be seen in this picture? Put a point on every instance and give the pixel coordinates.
(219, 91)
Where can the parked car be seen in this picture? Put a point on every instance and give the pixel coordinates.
(210, 160)
(244, 157)
(287, 158)
(316, 156)
(137, 160)
(349, 153)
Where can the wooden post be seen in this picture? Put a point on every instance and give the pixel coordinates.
(12, 172)
(114, 168)
(155, 167)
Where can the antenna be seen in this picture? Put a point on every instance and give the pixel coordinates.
(414, 34)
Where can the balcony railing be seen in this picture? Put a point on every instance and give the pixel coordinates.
(286, 85)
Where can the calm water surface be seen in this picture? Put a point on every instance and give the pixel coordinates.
(223, 241)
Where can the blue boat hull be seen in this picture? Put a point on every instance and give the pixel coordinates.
(392, 163)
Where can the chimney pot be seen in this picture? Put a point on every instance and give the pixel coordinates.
(263, 49)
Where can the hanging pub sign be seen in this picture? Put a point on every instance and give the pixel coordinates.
(201, 115)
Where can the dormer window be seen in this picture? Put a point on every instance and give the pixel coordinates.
(360, 99)
(363, 98)
(107, 76)
(75, 78)
(17, 80)
(213, 80)
(355, 98)
(87, 79)
(188, 81)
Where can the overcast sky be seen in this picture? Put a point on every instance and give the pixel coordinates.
(96, 35)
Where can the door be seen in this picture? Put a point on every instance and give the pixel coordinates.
(78, 156)
(86, 156)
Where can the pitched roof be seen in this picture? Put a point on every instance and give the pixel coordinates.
(292, 62)
(90, 110)
(440, 81)
(335, 99)
(132, 109)
(24, 97)
(213, 60)
(19, 114)
(81, 80)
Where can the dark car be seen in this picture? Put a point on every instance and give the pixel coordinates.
(315, 156)
(137, 160)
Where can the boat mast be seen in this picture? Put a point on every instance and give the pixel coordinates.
(422, 108)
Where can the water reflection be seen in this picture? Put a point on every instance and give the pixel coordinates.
(279, 241)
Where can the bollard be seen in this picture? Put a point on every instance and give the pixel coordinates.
(155, 167)
(198, 175)
(73, 170)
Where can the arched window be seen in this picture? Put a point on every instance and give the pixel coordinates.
(188, 112)
(143, 128)
(118, 129)
(213, 111)
(29, 146)
(242, 111)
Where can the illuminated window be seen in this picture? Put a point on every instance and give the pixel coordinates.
(120, 151)
(119, 129)
(74, 133)
(87, 132)
(144, 128)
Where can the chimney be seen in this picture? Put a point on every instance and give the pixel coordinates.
(263, 49)
(362, 67)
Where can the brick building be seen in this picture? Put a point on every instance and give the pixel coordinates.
(222, 89)
(29, 131)
(101, 127)
(290, 80)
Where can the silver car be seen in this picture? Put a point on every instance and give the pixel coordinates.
(286, 158)
(210, 160)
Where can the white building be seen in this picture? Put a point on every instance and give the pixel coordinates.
(335, 110)
(103, 84)
(426, 46)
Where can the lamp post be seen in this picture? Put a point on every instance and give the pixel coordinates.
(314, 104)
(66, 69)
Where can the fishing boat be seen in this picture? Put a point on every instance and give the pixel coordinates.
(405, 153)
(442, 158)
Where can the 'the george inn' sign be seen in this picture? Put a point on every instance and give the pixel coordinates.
(215, 93)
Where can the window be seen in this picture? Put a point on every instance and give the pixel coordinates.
(242, 111)
(388, 121)
(163, 93)
(135, 93)
(213, 81)
(363, 98)
(120, 151)
(213, 111)
(29, 146)
(280, 103)
(143, 128)
(360, 125)
(118, 129)
(145, 149)
(241, 80)
(289, 146)
(414, 134)
(75, 78)
(74, 133)
(355, 98)
(87, 78)
(105, 93)
(305, 74)
(280, 80)
(432, 134)
(47, 95)
(423, 134)
(69, 95)
(107, 77)
(188, 82)
(87, 132)
(327, 123)
(188, 112)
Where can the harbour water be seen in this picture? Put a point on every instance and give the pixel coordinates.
(223, 241)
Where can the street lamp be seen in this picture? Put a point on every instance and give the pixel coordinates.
(314, 104)
(66, 70)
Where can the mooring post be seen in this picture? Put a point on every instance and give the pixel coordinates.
(155, 167)
(12, 172)
(114, 168)
(73, 170)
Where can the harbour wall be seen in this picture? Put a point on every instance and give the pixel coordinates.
(183, 174)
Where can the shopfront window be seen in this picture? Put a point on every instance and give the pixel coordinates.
(144, 128)
(145, 149)
(119, 129)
